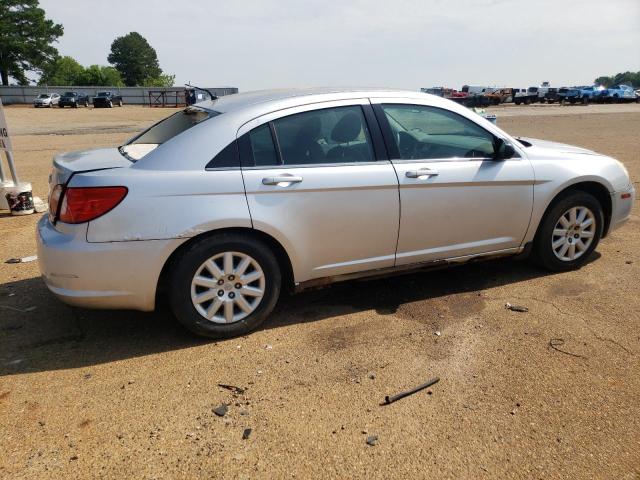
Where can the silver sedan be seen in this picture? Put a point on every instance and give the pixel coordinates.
(226, 203)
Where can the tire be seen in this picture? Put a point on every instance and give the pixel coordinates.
(191, 263)
(517, 102)
(585, 100)
(110, 104)
(544, 253)
(119, 103)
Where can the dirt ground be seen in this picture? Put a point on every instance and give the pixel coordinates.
(94, 394)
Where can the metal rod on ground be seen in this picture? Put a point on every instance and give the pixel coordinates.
(390, 399)
(12, 168)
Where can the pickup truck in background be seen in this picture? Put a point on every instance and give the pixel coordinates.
(618, 94)
(73, 100)
(107, 100)
(525, 95)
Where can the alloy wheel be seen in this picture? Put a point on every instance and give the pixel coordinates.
(573, 234)
(228, 287)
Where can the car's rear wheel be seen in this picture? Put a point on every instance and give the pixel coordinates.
(119, 103)
(225, 285)
(569, 232)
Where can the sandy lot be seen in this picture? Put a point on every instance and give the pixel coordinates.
(87, 394)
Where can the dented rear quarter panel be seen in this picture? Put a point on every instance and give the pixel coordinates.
(167, 204)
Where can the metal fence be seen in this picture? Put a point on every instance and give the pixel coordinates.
(130, 95)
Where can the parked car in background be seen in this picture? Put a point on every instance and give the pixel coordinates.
(619, 93)
(568, 94)
(46, 100)
(267, 191)
(73, 99)
(550, 95)
(525, 95)
(107, 99)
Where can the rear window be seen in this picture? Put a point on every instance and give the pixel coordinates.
(165, 130)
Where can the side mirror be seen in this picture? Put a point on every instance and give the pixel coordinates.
(503, 150)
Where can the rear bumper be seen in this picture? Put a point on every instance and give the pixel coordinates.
(621, 207)
(113, 275)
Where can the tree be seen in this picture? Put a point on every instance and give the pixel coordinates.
(26, 36)
(135, 59)
(160, 81)
(630, 78)
(99, 75)
(61, 71)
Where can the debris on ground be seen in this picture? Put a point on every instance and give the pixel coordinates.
(629, 262)
(21, 310)
(246, 433)
(233, 388)
(390, 399)
(268, 347)
(222, 410)
(40, 205)
(438, 333)
(372, 376)
(372, 440)
(516, 308)
(556, 343)
(30, 258)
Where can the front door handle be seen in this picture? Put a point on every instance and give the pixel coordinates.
(281, 179)
(422, 172)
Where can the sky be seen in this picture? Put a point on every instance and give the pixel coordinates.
(257, 44)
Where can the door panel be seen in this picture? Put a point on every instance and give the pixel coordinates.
(469, 207)
(335, 220)
(455, 198)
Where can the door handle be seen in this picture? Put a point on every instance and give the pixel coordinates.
(281, 179)
(422, 172)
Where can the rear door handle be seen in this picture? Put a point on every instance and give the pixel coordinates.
(281, 179)
(422, 172)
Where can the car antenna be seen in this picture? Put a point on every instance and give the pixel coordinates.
(213, 97)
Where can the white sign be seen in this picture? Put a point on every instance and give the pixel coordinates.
(5, 140)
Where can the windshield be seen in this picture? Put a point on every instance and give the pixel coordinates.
(69, 94)
(43, 95)
(164, 131)
(103, 94)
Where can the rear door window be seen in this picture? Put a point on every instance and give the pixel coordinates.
(316, 137)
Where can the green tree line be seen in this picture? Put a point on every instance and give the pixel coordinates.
(629, 78)
(26, 45)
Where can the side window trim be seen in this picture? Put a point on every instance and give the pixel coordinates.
(276, 143)
(392, 147)
(379, 147)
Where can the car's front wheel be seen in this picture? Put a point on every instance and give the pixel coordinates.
(224, 285)
(569, 232)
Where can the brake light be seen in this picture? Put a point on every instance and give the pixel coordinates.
(54, 201)
(81, 205)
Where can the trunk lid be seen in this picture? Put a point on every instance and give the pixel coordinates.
(67, 164)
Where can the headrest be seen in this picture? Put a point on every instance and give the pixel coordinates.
(347, 129)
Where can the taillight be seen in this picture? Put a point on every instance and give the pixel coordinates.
(54, 201)
(81, 205)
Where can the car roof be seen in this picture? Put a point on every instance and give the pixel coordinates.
(299, 96)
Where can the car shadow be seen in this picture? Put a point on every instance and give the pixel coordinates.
(40, 333)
